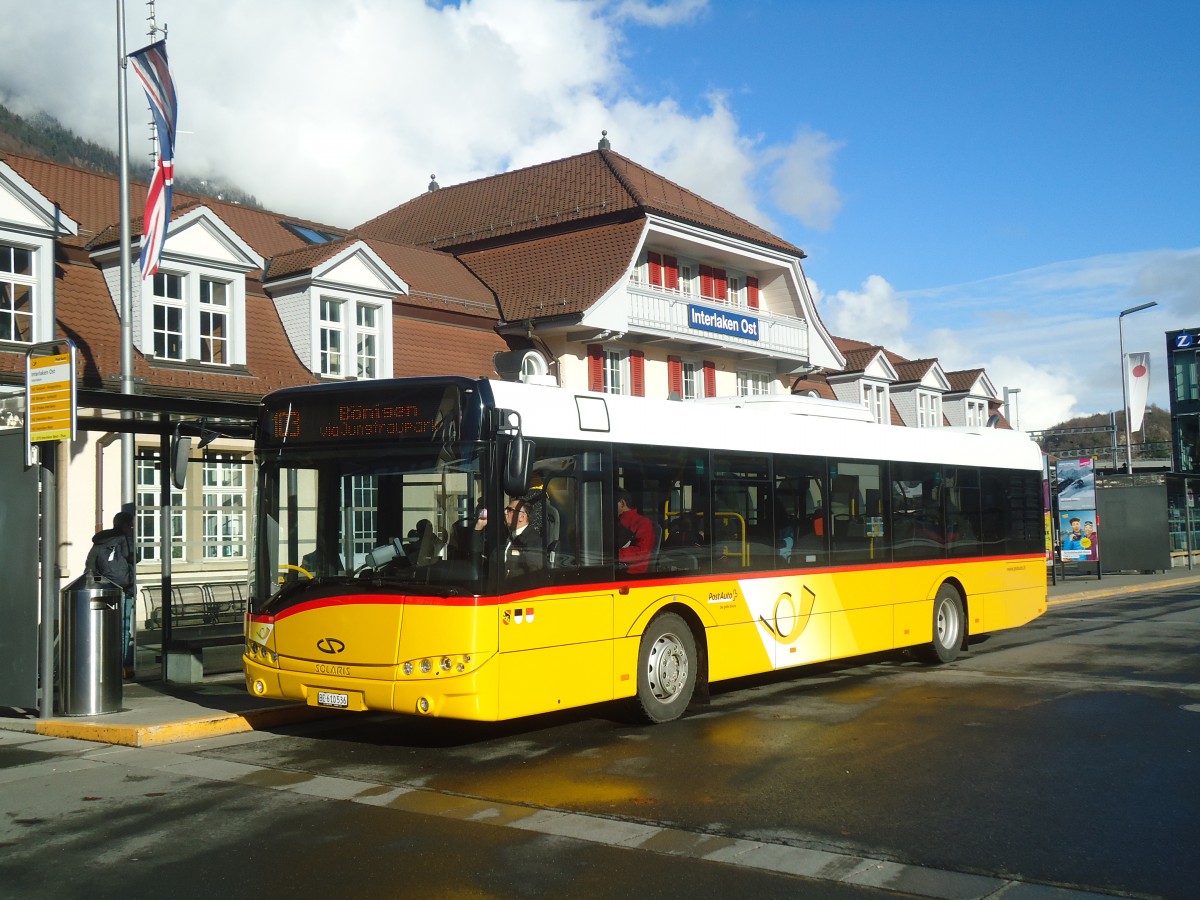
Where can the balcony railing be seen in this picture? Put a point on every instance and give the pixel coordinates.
(665, 312)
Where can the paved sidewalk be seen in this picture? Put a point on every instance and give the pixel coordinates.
(1079, 587)
(155, 712)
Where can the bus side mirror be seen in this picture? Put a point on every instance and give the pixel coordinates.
(181, 451)
(518, 462)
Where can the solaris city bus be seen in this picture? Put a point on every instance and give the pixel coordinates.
(786, 531)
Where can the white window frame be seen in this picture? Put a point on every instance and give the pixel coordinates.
(149, 514)
(616, 372)
(223, 506)
(367, 339)
(754, 384)
(168, 338)
(331, 336)
(875, 399)
(197, 310)
(692, 378)
(214, 307)
(735, 289)
(976, 413)
(12, 282)
(929, 409)
(686, 284)
(362, 345)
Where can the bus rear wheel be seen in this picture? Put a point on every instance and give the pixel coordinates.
(949, 626)
(666, 669)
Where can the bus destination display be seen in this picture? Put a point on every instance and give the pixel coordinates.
(316, 419)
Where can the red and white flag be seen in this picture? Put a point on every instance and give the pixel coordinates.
(1137, 371)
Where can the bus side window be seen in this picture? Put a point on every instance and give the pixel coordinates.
(569, 486)
(800, 491)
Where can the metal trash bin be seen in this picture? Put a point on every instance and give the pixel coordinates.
(90, 669)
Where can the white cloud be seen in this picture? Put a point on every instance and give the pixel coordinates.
(1053, 331)
(802, 179)
(340, 111)
(876, 314)
(670, 12)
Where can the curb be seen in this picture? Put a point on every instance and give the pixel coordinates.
(175, 732)
(1104, 593)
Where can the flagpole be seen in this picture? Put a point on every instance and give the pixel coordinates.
(126, 297)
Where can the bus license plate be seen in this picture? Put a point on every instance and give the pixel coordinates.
(330, 698)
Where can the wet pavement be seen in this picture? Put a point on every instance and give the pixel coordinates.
(155, 712)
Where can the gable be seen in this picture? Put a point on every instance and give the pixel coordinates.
(359, 267)
(199, 234)
(23, 207)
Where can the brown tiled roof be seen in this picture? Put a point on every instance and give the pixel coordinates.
(427, 348)
(304, 259)
(438, 281)
(553, 195)
(913, 369)
(93, 200)
(564, 273)
(963, 380)
(858, 360)
(86, 314)
(850, 345)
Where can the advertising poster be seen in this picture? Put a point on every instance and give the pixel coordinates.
(1078, 526)
(1079, 535)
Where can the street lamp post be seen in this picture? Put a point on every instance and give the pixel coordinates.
(1125, 381)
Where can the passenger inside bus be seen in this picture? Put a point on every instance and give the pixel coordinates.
(525, 551)
(637, 536)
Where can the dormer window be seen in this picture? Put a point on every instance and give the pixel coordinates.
(191, 317)
(976, 413)
(167, 315)
(875, 399)
(214, 321)
(349, 338)
(16, 293)
(929, 410)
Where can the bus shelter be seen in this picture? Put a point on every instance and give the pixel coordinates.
(157, 423)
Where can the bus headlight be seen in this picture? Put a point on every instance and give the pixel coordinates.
(450, 664)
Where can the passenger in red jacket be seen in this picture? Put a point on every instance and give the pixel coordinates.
(635, 536)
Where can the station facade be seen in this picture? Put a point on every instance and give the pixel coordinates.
(591, 272)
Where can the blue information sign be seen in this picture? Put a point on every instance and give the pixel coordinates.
(728, 323)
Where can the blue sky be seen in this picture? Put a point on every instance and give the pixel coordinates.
(985, 182)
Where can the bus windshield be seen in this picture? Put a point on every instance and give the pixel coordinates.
(396, 519)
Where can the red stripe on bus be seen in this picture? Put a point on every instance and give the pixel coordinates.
(532, 594)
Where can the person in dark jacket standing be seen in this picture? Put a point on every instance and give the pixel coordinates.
(112, 559)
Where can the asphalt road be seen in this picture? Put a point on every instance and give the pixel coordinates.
(1057, 760)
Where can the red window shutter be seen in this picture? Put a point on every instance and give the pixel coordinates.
(752, 291)
(710, 379)
(706, 281)
(675, 375)
(637, 373)
(670, 273)
(595, 354)
(719, 285)
(656, 268)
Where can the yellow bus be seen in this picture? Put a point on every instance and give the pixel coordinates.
(480, 549)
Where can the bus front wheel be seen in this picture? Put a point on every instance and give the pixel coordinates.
(666, 669)
(949, 625)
